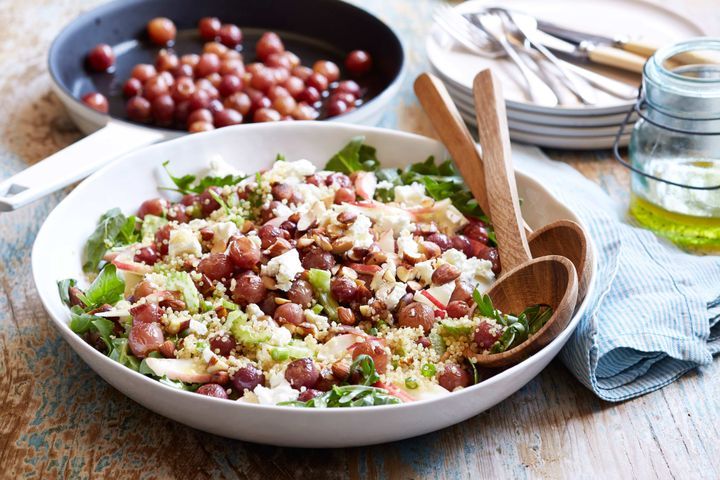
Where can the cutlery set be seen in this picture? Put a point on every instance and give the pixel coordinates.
(570, 75)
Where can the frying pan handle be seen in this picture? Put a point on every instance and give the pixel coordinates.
(73, 163)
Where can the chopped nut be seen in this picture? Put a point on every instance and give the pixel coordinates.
(341, 245)
(305, 241)
(346, 316)
(341, 370)
(376, 258)
(430, 249)
(323, 243)
(445, 273)
(269, 282)
(403, 273)
(279, 247)
(348, 216)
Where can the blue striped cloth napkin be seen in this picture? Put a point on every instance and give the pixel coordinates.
(656, 310)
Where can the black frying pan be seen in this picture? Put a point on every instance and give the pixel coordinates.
(313, 29)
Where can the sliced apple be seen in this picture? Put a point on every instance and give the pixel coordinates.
(185, 370)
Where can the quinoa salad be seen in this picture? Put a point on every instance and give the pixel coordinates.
(351, 285)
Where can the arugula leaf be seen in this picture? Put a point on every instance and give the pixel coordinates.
(190, 387)
(348, 396)
(354, 157)
(121, 354)
(64, 289)
(517, 328)
(107, 288)
(365, 366)
(190, 184)
(105, 328)
(113, 229)
(80, 322)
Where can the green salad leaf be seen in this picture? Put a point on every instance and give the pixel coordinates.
(64, 289)
(190, 183)
(354, 157)
(114, 229)
(108, 288)
(82, 323)
(517, 328)
(365, 366)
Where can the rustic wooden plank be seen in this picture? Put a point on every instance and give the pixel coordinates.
(59, 419)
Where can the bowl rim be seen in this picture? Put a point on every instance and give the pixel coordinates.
(101, 118)
(63, 326)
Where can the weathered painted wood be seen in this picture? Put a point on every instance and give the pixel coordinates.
(59, 419)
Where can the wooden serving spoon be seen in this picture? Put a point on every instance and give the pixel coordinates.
(562, 237)
(550, 280)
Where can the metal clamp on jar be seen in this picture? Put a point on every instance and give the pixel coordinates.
(674, 148)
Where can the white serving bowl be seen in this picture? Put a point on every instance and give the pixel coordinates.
(129, 180)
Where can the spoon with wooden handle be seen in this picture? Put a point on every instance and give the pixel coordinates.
(550, 280)
(562, 237)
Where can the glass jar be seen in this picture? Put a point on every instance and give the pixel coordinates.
(674, 148)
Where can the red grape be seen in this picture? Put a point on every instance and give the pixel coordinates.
(318, 81)
(263, 80)
(328, 69)
(303, 111)
(201, 127)
(154, 87)
(266, 115)
(229, 84)
(166, 61)
(163, 109)
(132, 87)
(239, 101)
(143, 72)
(294, 86)
(268, 44)
(208, 63)
(230, 35)
(227, 117)
(348, 86)
(302, 72)
(101, 58)
(200, 115)
(335, 107)
(310, 95)
(138, 109)
(183, 89)
(209, 28)
(161, 31)
(358, 62)
(96, 101)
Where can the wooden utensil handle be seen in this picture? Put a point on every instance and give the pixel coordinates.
(451, 129)
(644, 49)
(614, 57)
(499, 173)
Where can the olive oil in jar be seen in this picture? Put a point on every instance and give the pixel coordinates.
(699, 234)
(689, 218)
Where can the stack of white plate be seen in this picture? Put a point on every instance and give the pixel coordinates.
(570, 124)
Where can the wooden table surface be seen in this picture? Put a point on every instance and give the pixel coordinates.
(59, 419)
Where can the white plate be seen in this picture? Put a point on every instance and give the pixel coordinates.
(550, 130)
(653, 23)
(555, 141)
(129, 180)
(464, 100)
